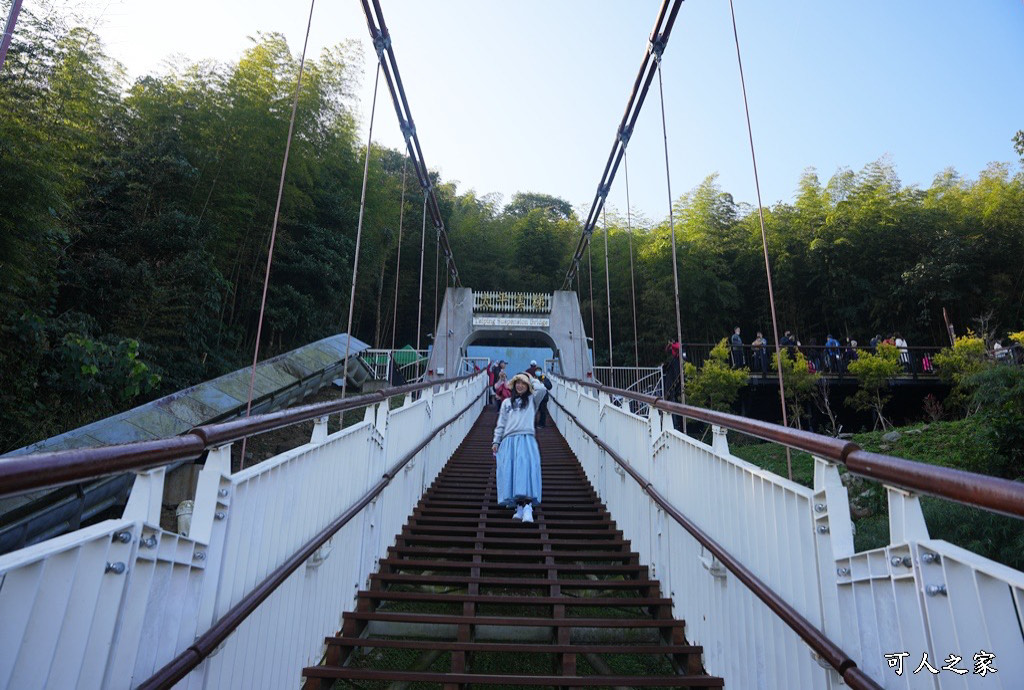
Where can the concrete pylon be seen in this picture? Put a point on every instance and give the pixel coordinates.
(538, 319)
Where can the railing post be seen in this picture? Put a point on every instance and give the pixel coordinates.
(906, 521)
(212, 494)
(832, 502)
(210, 518)
(146, 498)
(319, 434)
(383, 411)
(720, 440)
(833, 539)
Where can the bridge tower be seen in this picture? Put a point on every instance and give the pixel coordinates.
(530, 319)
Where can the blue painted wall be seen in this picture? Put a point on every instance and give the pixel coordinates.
(518, 358)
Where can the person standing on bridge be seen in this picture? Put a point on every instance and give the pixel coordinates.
(736, 340)
(542, 408)
(515, 447)
(501, 389)
(494, 372)
(759, 353)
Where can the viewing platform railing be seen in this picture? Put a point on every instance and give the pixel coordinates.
(648, 381)
(915, 362)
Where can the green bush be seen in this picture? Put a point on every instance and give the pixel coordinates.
(800, 384)
(998, 395)
(873, 371)
(716, 384)
(99, 370)
(957, 365)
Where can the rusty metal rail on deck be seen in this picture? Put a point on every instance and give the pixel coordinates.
(972, 489)
(815, 638)
(27, 472)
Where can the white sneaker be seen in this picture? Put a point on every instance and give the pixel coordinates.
(519, 513)
(528, 513)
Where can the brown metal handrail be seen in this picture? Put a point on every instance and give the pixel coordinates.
(808, 632)
(27, 472)
(205, 644)
(972, 489)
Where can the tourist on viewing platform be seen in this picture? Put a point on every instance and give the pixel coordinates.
(875, 343)
(850, 354)
(1000, 353)
(532, 369)
(812, 354)
(788, 341)
(759, 355)
(515, 448)
(899, 342)
(1016, 353)
(832, 360)
(736, 341)
(672, 349)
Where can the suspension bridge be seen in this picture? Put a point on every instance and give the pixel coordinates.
(373, 553)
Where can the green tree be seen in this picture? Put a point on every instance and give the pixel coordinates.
(800, 384)
(998, 394)
(715, 385)
(873, 372)
(523, 203)
(958, 365)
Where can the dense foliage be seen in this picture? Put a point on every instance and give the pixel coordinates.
(135, 220)
(716, 383)
(874, 370)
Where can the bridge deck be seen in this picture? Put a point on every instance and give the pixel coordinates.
(468, 596)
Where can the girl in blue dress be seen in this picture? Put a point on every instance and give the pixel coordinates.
(515, 446)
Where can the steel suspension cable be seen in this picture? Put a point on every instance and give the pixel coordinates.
(386, 57)
(632, 275)
(359, 235)
(423, 247)
(277, 216)
(12, 21)
(583, 324)
(593, 323)
(672, 229)
(398, 260)
(607, 288)
(764, 239)
(437, 271)
(447, 321)
(655, 46)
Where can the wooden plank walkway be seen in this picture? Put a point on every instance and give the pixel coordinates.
(469, 597)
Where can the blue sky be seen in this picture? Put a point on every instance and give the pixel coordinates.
(526, 96)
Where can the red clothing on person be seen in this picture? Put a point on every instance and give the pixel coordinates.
(502, 391)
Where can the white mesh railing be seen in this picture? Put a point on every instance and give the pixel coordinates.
(643, 380)
(106, 606)
(913, 597)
